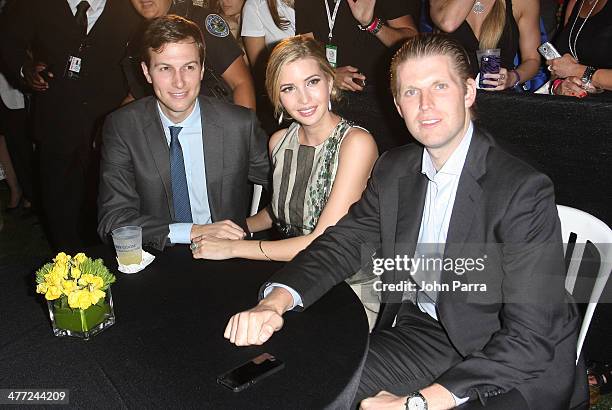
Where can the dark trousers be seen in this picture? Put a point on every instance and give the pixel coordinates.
(68, 185)
(13, 127)
(410, 356)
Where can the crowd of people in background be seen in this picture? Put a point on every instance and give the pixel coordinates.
(239, 37)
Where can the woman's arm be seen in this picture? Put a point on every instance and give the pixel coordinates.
(239, 79)
(397, 30)
(351, 179)
(448, 15)
(527, 15)
(603, 78)
(262, 220)
(393, 32)
(254, 47)
(528, 21)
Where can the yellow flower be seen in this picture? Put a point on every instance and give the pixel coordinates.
(96, 295)
(68, 286)
(91, 281)
(75, 272)
(54, 278)
(53, 292)
(97, 282)
(61, 258)
(80, 299)
(80, 257)
(41, 288)
(60, 271)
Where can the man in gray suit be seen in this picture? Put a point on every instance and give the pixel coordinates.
(501, 329)
(176, 164)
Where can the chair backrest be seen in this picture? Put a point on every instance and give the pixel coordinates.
(256, 198)
(579, 228)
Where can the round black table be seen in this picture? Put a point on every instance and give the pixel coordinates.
(167, 347)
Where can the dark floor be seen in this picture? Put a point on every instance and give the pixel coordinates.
(23, 248)
(22, 237)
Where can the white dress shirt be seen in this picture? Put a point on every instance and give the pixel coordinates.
(96, 7)
(439, 202)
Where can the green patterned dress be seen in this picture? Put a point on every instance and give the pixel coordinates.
(303, 179)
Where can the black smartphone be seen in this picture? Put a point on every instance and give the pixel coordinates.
(250, 372)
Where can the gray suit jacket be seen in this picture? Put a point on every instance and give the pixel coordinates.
(135, 184)
(522, 332)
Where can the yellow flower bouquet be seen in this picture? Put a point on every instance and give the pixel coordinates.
(77, 290)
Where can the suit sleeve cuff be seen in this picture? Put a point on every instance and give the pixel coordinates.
(180, 232)
(459, 401)
(297, 299)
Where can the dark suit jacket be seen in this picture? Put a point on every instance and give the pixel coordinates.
(135, 184)
(520, 334)
(66, 115)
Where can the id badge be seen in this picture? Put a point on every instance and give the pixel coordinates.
(73, 67)
(331, 52)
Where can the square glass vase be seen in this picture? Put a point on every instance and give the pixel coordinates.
(81, 323)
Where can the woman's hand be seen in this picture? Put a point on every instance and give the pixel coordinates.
(209, 247)
(363, 10)
(565, 66)
(501, 81)
(345, 76)
(570, 87)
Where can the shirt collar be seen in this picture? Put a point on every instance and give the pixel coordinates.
(454, 164)
(94, 5)
(191, 120)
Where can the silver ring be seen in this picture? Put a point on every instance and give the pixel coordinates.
(502, 76)
(193, 246)
(549, 68)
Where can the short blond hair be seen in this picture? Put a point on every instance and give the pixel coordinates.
(429, 45)
(289, 50)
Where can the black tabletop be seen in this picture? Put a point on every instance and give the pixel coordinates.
(167, 347)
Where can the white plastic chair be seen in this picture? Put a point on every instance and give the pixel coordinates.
(256, 198)
(587, 229)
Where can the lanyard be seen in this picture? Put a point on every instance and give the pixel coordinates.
(331, 18)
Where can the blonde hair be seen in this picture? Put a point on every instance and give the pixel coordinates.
(493, 25)
(287, 51)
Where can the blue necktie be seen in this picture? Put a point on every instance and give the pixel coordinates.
(180, 193)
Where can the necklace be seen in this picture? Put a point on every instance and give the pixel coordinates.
(478, 7)
(569, 39)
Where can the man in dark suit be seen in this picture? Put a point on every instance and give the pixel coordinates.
(503, 331)
(68, 52)
(177, 164)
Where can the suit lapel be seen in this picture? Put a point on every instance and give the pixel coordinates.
(469, 192)
(468, 203)
(66, 14)
(212, 137)
(411, 197)
(158, 145)
(411, 200)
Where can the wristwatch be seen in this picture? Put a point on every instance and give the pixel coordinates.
(587, 77)
(416, 401)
